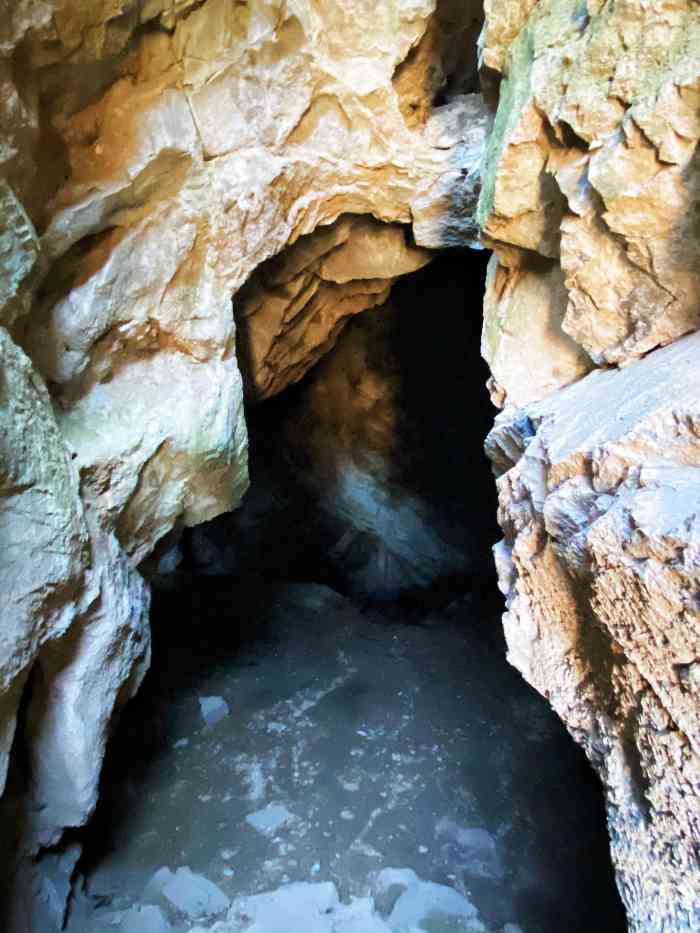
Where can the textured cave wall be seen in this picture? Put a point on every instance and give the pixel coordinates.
(367, 473)
(404, 492)
(591, 204)
(153, 155)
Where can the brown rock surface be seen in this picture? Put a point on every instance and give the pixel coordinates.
(164, 150)
(600, 564)
(590, 200)
(593, 164)
(155, 153)
(292, 311)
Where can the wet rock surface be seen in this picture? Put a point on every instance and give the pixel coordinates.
(356, 743)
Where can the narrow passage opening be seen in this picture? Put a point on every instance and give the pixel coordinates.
(329, 701)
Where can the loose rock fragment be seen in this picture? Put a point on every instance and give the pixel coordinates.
(213, 709)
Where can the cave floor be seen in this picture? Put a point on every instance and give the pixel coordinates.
(355, 742)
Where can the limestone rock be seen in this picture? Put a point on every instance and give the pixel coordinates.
(416, 905)
(503, 21)
(296, 306)
(523, 342)
(213, 709)
(19, 256)
(82, 680)
(443, 65)
(133, 135)
(445, 216)
(422, 903)
(270, 819)
(388, 493)
(36, 896)
(186, 895)
(178, 185)
(600, 564)
(148, 919)
(593, 164)
(44, 554)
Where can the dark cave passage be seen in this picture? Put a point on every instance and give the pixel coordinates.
(369, 474)
(345, 626)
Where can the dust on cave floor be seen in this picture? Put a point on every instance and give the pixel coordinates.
(387, 739)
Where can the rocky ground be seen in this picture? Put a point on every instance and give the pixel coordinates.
(295, 763)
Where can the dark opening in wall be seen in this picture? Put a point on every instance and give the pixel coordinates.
(369, 474)
(329, 698)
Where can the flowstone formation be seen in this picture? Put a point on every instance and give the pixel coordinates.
(156, 155)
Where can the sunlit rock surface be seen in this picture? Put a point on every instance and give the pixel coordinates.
(590, 202)
(210, 137)
(598, 489)
(593, 165)
(155, 154)
(163, 151)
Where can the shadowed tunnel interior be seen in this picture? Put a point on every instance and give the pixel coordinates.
(348, 620)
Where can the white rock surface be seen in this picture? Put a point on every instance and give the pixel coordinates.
(144, 919)
(83, 679)
(43, 534)
(302, 907)
(297, 906)
(186, 895)
(213, 710)
(270, 819)
(424, 905)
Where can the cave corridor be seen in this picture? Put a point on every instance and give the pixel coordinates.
(329, 698)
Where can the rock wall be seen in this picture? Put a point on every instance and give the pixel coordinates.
(155, 153)
(590, 202)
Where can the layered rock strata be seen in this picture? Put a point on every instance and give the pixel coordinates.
(590, 203)
(600, 565)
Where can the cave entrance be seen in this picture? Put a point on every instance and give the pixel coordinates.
(329, 700)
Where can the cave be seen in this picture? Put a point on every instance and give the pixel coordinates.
(363, 727)
(349, 466)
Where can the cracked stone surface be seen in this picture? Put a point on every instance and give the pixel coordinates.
(142, 183)
(156, 155)
(592, 165)
(598, 499)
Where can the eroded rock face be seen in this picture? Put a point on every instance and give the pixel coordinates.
(164, 151)
(598, 489)
(590, 201)
(592, 164)
(379, 436)
(292, 311)
(42, 528)
(365, 475)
